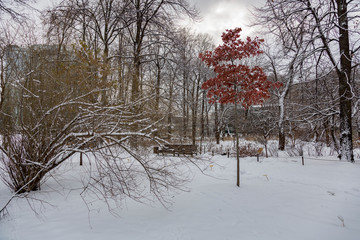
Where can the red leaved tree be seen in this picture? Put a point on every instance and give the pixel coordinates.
(236, 82)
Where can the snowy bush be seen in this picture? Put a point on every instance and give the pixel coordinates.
(273, 149)
(357, 153)
(319, 148)
(46, 140)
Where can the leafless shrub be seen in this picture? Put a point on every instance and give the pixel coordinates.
(291, 152)
(319, 146)
(273, 149)
(296, 149)
(122, 173)
(300, 148)
(44, 143)
(248, 149)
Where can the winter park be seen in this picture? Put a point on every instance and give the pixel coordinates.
(180, 119)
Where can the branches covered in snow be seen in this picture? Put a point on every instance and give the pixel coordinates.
(64, 116)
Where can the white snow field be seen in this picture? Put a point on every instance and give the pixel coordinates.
(278, 199)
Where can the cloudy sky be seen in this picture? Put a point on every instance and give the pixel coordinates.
(218, 15)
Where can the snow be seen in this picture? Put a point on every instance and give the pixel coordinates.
(278, 199)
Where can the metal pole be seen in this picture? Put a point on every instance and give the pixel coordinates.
(237, 141)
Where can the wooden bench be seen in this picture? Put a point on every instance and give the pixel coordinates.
(176, 149)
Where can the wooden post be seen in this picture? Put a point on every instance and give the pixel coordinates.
(302, 160)
(228, 153)
(81, 159)
(258, 154)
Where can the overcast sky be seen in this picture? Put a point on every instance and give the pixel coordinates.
(217, 15)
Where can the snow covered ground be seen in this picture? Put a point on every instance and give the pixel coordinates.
(278, 199)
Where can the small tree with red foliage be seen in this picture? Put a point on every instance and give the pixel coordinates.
(236, 82)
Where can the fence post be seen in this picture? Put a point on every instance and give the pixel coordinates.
(81, 159)
(228, 153)
(258, 154)
(302, 160)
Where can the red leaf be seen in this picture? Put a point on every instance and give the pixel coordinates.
(251, 83)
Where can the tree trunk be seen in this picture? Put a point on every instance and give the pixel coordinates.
(121, 80)
(104, 77)
(157, 86)
(207, 120)
(185, 105)
(195, 99)
(345, 93)
(281, 124)
(202, 117)
(169, 117)
(135, 88)
(193, 129)
(2, 84)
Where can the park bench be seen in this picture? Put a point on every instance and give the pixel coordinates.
(176, 149)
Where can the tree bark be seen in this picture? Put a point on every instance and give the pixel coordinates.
(195, 100)
(135, 87)
(345, 93)
(281, 124)
(157, 86)
(202, 117)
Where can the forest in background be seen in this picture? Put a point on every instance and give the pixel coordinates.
(122, 73)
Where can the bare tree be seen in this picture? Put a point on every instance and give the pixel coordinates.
(9, 7)
(147, 17)
(325, 29)
(286, 60)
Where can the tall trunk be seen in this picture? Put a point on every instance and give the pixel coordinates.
(121, 83)
(135, 84)
(196, 90)
(345, 93)
(169, 117)
(207, 120)
(332, 133)
(104, 77)
(327, 132)
(282, 109)
(193, 125)
(281, 124)
(2, 84)
(135, 87)
(202, 117)
(184, 107)
(157, 86)
(84, 25)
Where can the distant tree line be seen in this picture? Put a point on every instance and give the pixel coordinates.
(109, 73)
